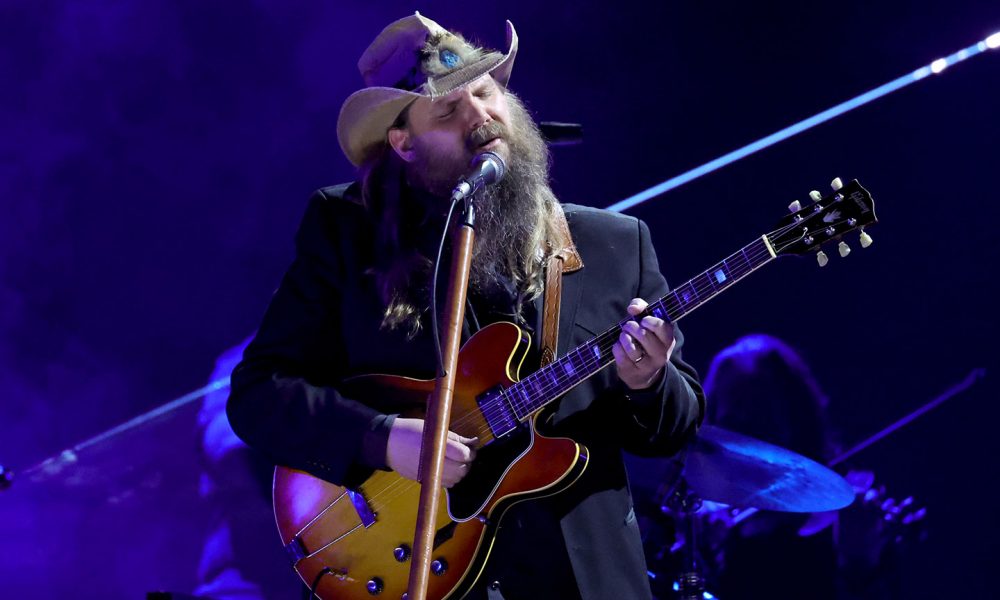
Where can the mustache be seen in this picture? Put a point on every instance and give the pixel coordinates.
(486, 133)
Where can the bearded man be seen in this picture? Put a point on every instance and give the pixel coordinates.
(356, 301)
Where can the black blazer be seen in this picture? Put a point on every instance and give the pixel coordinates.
(323, 325)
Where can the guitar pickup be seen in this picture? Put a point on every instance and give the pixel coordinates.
(497, 410)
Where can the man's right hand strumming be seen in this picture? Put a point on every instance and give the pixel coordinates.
(403, 451)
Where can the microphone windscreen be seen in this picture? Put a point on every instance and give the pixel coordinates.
(498, 165)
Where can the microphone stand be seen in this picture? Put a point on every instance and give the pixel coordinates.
(432, 449)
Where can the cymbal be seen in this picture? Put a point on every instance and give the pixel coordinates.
(735, 469)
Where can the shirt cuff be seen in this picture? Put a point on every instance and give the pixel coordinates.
(650, 394)
(373, 446)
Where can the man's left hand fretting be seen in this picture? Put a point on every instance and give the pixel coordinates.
(643, 348)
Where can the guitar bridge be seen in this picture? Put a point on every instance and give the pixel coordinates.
(364, 511)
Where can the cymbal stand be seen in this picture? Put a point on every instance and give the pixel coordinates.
(6, 478)
(685, 503)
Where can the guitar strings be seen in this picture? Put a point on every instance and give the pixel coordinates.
(539, 380)
(671, 304)
(585, 352)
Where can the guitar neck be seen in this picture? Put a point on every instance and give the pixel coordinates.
(560, 376)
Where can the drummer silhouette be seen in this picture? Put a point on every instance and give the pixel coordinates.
(761, 387)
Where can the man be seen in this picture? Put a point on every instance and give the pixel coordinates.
(356, 301)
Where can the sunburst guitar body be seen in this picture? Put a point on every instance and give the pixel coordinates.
(356, 543)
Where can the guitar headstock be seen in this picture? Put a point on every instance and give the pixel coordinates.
(847, 208)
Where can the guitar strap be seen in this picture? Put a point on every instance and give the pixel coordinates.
(564, 259)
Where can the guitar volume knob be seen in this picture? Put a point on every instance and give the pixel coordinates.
(401, 553)
(375, 586)
(439, 566)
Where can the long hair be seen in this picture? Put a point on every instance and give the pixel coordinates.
(760, 386)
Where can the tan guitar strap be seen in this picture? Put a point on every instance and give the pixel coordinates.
(564, 259)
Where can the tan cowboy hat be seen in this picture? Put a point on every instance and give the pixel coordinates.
(412, 58)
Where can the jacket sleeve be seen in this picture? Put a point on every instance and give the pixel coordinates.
(283, 399)
(663, 418)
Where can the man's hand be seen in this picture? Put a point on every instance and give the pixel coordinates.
(643, 348)
(403, 451)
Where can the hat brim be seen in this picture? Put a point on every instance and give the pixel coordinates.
(368, 113)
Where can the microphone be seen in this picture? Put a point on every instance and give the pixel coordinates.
(486, 168)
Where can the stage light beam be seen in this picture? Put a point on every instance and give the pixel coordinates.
(935, 67)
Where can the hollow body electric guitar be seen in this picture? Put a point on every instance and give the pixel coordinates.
(355, 543)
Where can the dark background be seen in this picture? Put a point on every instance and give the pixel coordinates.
(155, 159)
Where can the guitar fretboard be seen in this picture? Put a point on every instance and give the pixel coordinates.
(558, 377)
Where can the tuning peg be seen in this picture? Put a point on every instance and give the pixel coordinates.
(866, 240)
(821, 258)
(836, 184)
(844, 249)
(816, 196)
(795, 206)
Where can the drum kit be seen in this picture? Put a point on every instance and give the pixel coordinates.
(725, 468)
(723, 477)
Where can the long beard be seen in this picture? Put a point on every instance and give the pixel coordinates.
(511, 214)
